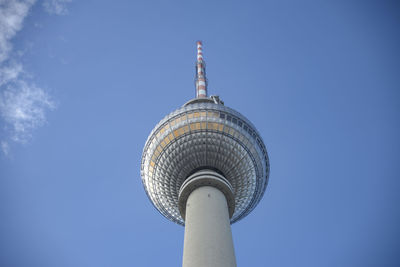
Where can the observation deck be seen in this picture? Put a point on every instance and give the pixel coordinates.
(204, 134)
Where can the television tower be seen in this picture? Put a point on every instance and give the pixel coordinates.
(205, 166)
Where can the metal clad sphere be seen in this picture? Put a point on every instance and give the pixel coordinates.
(203, 135)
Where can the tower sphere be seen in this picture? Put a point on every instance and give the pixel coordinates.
(204, 135)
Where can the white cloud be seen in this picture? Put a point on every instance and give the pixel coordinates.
(57, 7)
(23, 107)
(12, 15)
(10, 72)
(5, 147)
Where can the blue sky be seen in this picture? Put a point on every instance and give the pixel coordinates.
(82, 83)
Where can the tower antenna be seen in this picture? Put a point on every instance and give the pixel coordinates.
(201, 80)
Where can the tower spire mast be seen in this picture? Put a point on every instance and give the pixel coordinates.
(201, 80)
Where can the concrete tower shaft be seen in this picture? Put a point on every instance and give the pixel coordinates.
(208, 237)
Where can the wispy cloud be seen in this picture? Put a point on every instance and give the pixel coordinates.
(5, 147)
(57, 7)
(10, 72)
(12, 15)
(23, 105)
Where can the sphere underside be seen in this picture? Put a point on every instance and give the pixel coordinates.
(204, 136)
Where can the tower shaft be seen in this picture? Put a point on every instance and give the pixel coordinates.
(208, 237)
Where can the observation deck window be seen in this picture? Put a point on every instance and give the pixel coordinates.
(195, 126)
(163, 129)
(182, 118)
(213, 114)
(176, 120)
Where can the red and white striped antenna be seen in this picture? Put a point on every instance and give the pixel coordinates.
(201, 81)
